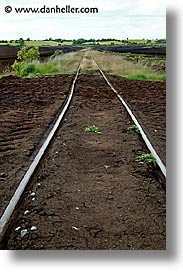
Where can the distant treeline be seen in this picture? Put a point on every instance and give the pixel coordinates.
(81, 41)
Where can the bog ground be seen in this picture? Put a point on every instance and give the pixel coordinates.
(88, 193)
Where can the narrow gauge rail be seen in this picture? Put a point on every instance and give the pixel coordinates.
(19, 191)
(18, 194)
(144, 136)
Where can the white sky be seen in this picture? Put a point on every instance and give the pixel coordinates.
(116, 19)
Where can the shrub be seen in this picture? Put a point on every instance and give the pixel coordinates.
(28, 54)
(17, 66)
(23, 69)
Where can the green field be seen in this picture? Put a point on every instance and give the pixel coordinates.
(123, 42)
(38, 43)
(101, 42)
(46, 43)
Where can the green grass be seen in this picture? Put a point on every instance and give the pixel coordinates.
(116, 64)
(64, 64)
(33, 69)
(151, 76)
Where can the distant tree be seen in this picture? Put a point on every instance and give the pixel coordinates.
(161, 41)
(91, 40)
(148, 41)
(21, 42)
(59, 40)
(28, 39)
(79, 41)
(3, 41)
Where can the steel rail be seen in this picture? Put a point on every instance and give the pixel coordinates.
(19, 191)
(144, 136)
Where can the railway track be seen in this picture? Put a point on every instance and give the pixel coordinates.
(136, 122)
(5, 220)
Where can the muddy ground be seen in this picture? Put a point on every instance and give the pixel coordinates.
(133, 49)
(27, 109)
(147, 99)
(89, 192)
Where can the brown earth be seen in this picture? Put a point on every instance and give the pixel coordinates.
(133, 49)
(90, 193)
(147, 100)
(20, 133)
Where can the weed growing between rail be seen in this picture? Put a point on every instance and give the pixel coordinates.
(134, 128)
(146, 159)
(93, 129)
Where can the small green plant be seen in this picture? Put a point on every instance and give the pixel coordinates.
(134, 128)
(93, 129)
(146, 159)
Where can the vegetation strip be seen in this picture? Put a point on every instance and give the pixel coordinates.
(17, 195)
(147, 142)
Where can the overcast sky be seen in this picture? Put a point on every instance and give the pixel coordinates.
(115, 19)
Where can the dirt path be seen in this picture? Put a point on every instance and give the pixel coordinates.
(90, 193)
